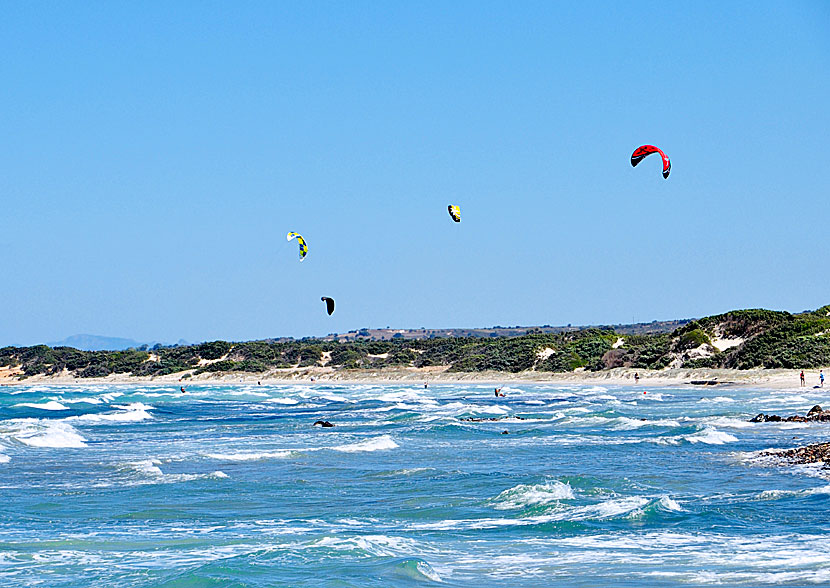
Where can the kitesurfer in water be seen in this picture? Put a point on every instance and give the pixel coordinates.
(498, 393)
(182, 389)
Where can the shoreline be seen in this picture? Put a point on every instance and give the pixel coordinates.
(779, 379)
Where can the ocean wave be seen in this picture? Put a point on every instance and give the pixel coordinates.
(776, 494)
(711, 436)
(252, 456)
(525, 495)
(51, 405)
(289, 401)
(81, 400)
(42, 433)
(378, 545)
(149, 472)
(134, 412)
(374, 444)
(613, 508)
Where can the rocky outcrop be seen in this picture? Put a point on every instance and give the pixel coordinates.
(819, 452)
(815, 414)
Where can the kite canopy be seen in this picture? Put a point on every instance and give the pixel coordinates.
(455, 212)
(301, 242)
(644, 151)
(329, 304)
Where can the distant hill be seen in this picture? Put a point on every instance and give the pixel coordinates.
(96, 343)
(739, 339)
(367, 334)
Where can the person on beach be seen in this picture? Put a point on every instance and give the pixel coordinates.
(636, 377)
(821, 377)
(803, 382)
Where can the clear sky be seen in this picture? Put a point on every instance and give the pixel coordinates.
(153, 155)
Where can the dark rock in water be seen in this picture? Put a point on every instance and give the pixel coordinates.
(816, 414)
(505, 432)
(765, 418)
(323, 424)
(819, 452)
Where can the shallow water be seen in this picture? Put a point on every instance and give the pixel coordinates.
(232, 486)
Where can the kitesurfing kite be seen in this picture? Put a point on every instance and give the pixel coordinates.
(301, 242)
(455, 212)
(644, 151)
(329, 304)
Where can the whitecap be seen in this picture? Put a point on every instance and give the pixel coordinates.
(710, 436)
(525, 495)
(374, 444)
(377, 545)
(667, 503)
(251, 456)
(151, 472)
(42, 433)
(134, 412)
(51, 405)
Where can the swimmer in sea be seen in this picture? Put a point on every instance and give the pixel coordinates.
(182, 389)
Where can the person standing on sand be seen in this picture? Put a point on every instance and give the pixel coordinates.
(821, 377)
(803, 383)
(636, 377)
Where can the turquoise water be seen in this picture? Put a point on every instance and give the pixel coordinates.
(232, 486)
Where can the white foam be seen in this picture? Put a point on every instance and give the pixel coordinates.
(775, 494)
(134, 412)
(51, 405)
(426, 569)
(711, 436)
(729, 422)
(150, 470)
(42, 433)
(251, 456)
(374, 444)
(4, 458)
(282, 401)
(378, 545)
(718, 399)
(525, 495)
(666, 503)
(609, 508)
(489, 410)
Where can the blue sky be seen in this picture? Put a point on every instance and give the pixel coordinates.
(154, 155)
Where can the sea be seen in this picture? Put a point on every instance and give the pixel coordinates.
(450, 485)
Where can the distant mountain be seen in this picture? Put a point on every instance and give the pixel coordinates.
(96, 343)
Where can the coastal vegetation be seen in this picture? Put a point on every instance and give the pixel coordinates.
(740, 339)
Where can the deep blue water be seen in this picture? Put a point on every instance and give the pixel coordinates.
(232, 486)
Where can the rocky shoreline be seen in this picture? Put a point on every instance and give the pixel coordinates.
(815, 453)
(818, 452)
(815, 414)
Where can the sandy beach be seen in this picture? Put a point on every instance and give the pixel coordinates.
(763, 378)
